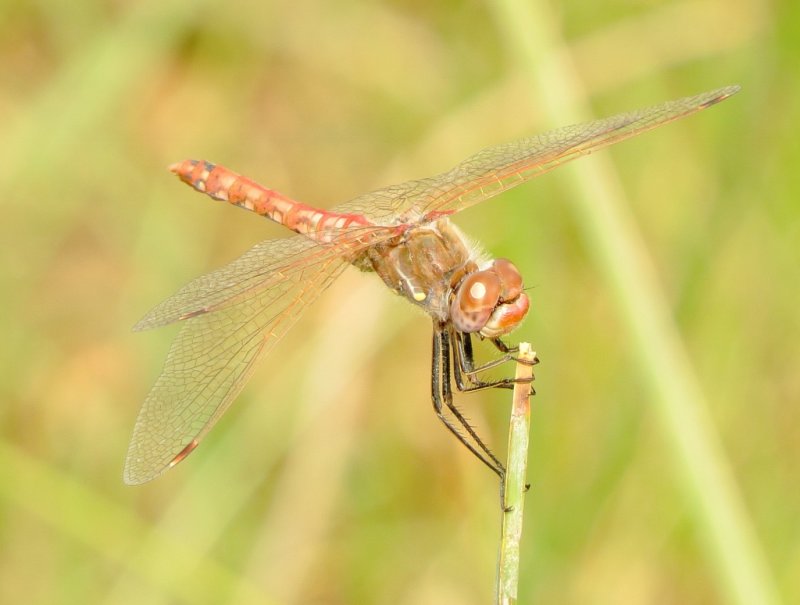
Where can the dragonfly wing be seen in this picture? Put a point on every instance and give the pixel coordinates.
(265, 265)
(243, 311)
(497, 169)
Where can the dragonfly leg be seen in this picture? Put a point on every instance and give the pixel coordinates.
(503, 347)
(462, 346)
(442, 396)
(465, 371)
(506, 350)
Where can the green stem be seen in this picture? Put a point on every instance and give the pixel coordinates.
(515, 484)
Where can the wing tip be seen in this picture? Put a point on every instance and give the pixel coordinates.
(141, 325)
(133, 473)
(132, 479)
(721, 94)
(133, 476)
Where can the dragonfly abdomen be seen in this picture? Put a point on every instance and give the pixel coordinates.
(225, 185)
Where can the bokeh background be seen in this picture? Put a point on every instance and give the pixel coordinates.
(330, 480)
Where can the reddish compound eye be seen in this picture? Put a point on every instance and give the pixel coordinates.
(475, 299)
(513, 304)
(510, 279)
(490, 301)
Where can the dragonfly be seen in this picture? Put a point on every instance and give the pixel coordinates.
(235, 315)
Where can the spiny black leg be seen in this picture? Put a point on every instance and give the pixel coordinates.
(505, 349)
(464, 366)
(455, 411)
(462, 345)
(441, 393)
(464, 362)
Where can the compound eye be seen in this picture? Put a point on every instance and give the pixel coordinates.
(475, 299)
(510, 279)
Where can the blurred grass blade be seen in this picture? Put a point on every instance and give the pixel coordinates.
(701, 467)
(83, 515)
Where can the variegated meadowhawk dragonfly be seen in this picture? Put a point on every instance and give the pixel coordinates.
(234, 315)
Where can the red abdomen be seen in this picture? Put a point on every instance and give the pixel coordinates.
(225, 185)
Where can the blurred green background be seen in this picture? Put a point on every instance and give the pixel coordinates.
(330, 480)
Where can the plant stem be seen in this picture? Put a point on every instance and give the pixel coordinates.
(515, 484)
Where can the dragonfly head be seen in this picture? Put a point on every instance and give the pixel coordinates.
(490, 301)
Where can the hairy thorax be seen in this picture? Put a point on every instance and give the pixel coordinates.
(424, 264)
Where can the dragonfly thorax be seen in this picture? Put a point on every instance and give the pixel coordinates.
(422, 263)
(435, 268)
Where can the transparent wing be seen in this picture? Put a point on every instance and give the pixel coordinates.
(264, 266)
(233, 316)
(497, 169)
